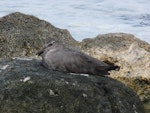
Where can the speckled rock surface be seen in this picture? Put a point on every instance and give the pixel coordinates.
(129, 53)
(27, 87)
(22, 35)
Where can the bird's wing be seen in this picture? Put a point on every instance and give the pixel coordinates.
(81, 63)
(82, 59)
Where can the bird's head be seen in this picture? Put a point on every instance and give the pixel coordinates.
(48, 46)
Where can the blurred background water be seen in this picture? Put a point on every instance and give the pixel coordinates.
(88, 18)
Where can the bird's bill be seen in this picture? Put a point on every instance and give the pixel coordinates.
(39, 52)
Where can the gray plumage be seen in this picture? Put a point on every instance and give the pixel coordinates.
(57, 57)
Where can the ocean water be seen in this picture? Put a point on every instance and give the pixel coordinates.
(88, 18)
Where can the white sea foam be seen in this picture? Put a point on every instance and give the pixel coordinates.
(88, 18)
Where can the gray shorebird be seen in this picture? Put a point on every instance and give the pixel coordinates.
(57, 57)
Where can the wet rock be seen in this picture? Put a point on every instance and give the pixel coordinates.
(27, 87)
(22, 35)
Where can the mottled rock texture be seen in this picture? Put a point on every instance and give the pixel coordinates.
(22, 35)
(131, 54)
(27, 87)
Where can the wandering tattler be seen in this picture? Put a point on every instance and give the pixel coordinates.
(56, 56)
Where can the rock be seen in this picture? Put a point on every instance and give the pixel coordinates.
(27, 87)
(22, 35)
(129, 53)
(126, 51)
(114, 41)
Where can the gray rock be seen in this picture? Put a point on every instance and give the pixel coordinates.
(131, 54)
(28, 87)
(128, 52)
(114, 41)
(22, 35)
